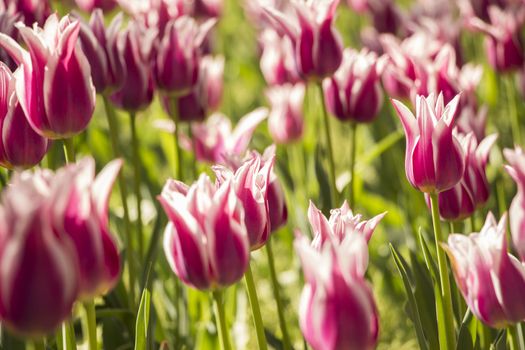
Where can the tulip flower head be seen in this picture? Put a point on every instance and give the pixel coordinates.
(286, 120)
(38, 266)
(491, 280)
(434, 160)
(53, 82)
(472, 120)
(20, 145)
(31, 11)
(277, 59)
(92, 5)
(206, 242)
(277, 208)
(516, 169)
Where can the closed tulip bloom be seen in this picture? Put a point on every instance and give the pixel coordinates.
(286, 120)
(53, 82)
(277, 60)
(136, 92)
(342, 222)
(32, 11)
(38, 267)
(7, 26)
(516, 169)
(277, 208)
(491, 280)
(503, 44)
(354, 92)
(104, 46)
(473, 120)
(208, 8)
(20, 145)
(205, 243)
(176, 65)
(318, 45)
(91, 5)
(337, 309)
(434, 160)
(81, 212)
(156, 13)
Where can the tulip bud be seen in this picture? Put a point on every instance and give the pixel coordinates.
(473, 121)
(20, 145)
(434, 160)
(354, 92)
(516, 169)
(92, 5)
(156, 14)
(208, 8)
(38, 267)
(206, 243)
(277, 59)
(176, 65)
(337, 308)
(286, 122)
(103, 48)
(318, 46)
(32, 11)
(491, 280)
(81, 211)
(53, 83)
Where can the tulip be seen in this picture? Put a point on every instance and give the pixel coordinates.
(176, 65)
(516, 169)
(434, 160)
(91, 5)
(277, 209)
(490, 279)
(136, 92)
(20, 145)
(277, 59)
(38, 266)
(354, 92)
(286, 121)
(31, 11)
(206, 242)
(156, 13)
(502, 42)
(7, 26)
(53, 82)
(104, 49)
(342, 222)
(473, 121)
(318, 46)
(337, 308)
(81, 211)
(208, 8)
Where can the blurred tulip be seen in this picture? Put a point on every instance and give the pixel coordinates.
(155, 14)
(277, 60)
(434, 160)
(386, 17)
(286, 120)
(81, 212)
(104, 48)
(318, 46)
(503, 44)
(516, 169)
(20, 145)
(38, 267)
(342, 222)
(206, 242)
(208, 8)
(471, 121)
(53, 83)
(491, 280)
(477, 8)
(32, 11)
(136, 92)
(7, 26)
(354, 92)
(91, 5)
(176, 65)
(277, 209)
(337, 308)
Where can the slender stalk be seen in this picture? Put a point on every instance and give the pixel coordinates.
(68, 336)
(69, 150)
(472, 223)
(114, 132)
(331, 161)
(136, 167)
(91, 323)
(194, 157)
(221, 320)
(256, 311)
(447, 335)
(511, 103)
(178, 154)
(460, 307)
(512, 338)
(352, 164)
(277, 296)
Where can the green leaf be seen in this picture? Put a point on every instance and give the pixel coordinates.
(141, 332)
(467, 332)
(322, 179)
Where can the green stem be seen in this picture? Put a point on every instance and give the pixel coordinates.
(511, 103)
(194, 157)
(39, 344)
(136, 167)
(277, 296)
(512, 338)
(91, 323)
(178, 154)
(256, 311)
(447, 334)
(69, 150)
(460, 307)
(114, 132)
(473, 223)
(221, 320)
(331, 162)
(68, 336)
(352, 164)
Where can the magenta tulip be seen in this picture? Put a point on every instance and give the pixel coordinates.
(92, 5)
(472, 120)
(354, 92)
(20, 145)
(38, 266)
(286, 120)
(277, 59)
(32, 11)
(277, 208)
(8, 19)
(53, 83)
(434, 160)
(206, 242)
(491, 280)
(516, 169)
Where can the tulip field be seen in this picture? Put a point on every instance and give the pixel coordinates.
(262, 174)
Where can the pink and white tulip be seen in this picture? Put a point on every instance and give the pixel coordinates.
(286, 120)
(277, 60)
(516, 168)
